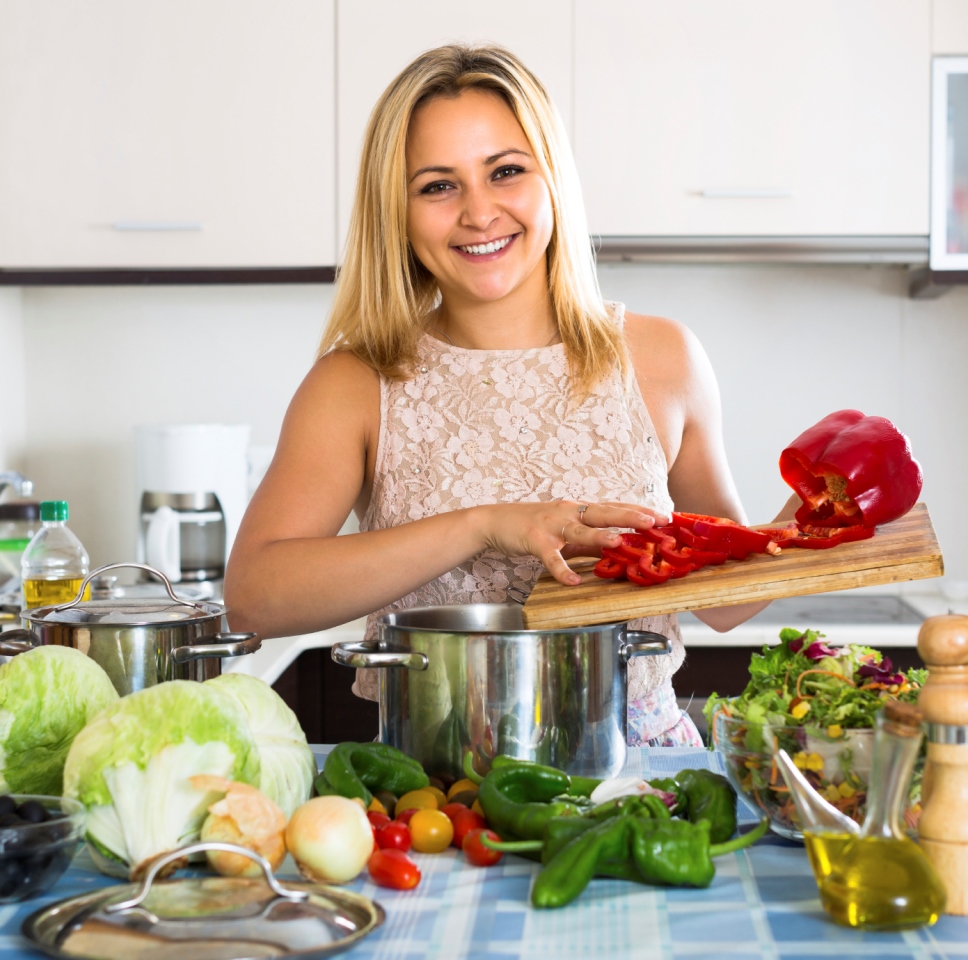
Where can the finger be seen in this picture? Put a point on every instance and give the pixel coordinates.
(624, 515)
(555, 565)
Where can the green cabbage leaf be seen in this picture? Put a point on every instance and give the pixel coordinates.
(47, 695)
(287, 764)
(131, 766)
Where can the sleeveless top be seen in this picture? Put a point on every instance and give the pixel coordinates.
(478, 427)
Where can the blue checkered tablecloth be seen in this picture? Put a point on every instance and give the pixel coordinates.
(762, 904)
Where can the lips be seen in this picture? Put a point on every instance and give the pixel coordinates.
(485, 249)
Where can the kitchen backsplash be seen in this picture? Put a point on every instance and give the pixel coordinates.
(82, 366)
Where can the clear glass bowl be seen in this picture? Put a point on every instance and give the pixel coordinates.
(836, 763)
(34, 856)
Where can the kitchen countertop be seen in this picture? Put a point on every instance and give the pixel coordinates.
(848, 616)
(762, 904)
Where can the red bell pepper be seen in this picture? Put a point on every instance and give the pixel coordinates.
(732, 538)
(648, 575)
(819, 538)
(609, 568)
(634, 547)
(685, 556)
(850, 469)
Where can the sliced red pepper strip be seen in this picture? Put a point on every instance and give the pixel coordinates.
(635, 546)
(687, 521)
(690, 556)
(814, 541)
(851, 469)
(738, 541)
(610, 569)
(647, 576)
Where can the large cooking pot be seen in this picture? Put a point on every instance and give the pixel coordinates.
(470, 677)
(139, 641)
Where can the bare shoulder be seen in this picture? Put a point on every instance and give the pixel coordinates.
(661, 348)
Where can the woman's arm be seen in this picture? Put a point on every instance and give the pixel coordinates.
(289, 572)
(682, 396)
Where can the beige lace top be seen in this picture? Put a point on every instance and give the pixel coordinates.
(475, 427)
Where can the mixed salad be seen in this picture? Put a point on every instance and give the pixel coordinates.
(818, 702)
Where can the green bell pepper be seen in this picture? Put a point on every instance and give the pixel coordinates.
(355, 769)
(518, 799)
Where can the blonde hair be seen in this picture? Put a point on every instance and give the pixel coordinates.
(384, 294)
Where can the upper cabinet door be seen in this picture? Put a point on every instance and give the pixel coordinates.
(167, 133)
(753, 117)
(376, 39)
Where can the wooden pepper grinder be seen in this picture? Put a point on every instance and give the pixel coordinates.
(943, 829)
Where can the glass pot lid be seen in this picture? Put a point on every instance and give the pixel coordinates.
(206, 918)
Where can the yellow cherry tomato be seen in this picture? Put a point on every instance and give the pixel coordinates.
(431, 831)
(477, 808)
(438, 795)
(459, 787)
(376, 807)
(415, 800)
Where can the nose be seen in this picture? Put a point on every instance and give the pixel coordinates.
(479, 210)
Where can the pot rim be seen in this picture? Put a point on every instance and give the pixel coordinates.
(386, 620)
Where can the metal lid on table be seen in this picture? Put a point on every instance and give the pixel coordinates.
(205, 918)
(126, 611)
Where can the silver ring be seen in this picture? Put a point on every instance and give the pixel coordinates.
(581, 512)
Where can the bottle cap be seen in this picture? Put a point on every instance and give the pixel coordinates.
(53, 510)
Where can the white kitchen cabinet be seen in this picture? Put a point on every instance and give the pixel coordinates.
(376, 39)
(167, 133)
(754, 117)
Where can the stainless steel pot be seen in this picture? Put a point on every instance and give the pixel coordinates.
(469, 677)
(139, 641)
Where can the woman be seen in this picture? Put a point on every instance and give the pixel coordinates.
(475, 401)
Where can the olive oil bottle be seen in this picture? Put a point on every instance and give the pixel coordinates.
(55, 563)
(881, 879)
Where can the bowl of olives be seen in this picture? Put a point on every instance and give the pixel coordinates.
(38, 839)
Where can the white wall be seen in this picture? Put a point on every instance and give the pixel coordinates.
(13, 390)
(790, 344)
(103, 360)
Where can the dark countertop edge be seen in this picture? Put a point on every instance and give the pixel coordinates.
(143, 276)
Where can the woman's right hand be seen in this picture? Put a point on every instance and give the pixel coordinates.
(558, 530)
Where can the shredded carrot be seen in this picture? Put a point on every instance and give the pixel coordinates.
(829, 673)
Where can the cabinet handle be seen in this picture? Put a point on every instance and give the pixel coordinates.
(155, 226)
(773, 193)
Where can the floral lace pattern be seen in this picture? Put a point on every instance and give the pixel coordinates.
(477, 427)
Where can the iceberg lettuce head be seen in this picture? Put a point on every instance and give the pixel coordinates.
(288, 765)
(46, 696)
(131, 767)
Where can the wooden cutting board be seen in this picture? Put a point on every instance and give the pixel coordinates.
(906, 549)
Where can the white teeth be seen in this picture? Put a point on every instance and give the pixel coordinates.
(493, 247)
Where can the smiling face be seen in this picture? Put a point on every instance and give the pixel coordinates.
(479, 212)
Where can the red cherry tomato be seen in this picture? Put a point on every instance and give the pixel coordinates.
(452, 809)
(405, 816)
(476, 852)
(394, 836)
(394, 869)
(378, 819)
(464, 823)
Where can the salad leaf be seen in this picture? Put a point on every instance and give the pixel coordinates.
(803, 681)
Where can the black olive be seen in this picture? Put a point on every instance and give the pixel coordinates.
(7, 804)
(10, 820)
(11, 877)
(33, 811)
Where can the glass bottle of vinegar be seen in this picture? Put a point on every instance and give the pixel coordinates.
(881, 878)
(55, 563)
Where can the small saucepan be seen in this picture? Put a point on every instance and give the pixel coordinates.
(139, 641)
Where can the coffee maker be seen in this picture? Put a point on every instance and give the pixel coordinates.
(192, 491)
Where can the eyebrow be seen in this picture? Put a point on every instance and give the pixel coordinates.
(487, 162)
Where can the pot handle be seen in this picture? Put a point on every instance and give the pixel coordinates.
(643, 643)
(367, 653)
(136, 566)
(13, 642)
(231, 645)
